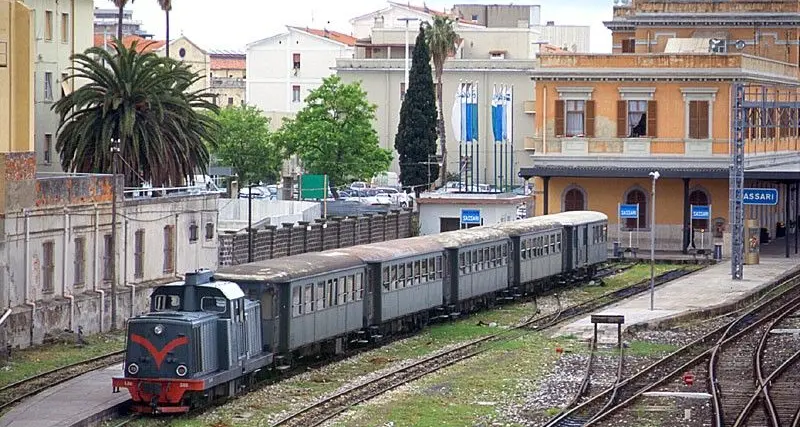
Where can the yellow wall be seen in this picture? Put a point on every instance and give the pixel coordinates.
(16, 77)
(604, 195)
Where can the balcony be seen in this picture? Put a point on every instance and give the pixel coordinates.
(710, 148)
(227, 83)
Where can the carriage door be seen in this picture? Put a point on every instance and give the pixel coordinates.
(238, 324)
(585, 245)
(268, 320)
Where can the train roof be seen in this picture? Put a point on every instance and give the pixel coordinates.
(286, 269)
(469, 236)
(394, 249)
(230, 290)
(579, 217)
(528, 225)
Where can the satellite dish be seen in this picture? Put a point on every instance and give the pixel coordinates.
(740, 44)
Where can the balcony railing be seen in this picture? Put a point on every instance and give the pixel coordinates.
(656, 147)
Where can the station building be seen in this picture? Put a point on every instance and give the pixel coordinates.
(662, 101)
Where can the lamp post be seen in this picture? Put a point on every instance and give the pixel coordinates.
(114, 156)
(405, 62)
(655, 176)
(250, 222)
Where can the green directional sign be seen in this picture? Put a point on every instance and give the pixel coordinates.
(313, 186)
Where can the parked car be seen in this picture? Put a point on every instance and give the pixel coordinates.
(257, 193)
(359, 185)
(398, 197)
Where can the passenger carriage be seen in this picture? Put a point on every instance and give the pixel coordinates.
(586, 238)
(536, 247)
(309, 301)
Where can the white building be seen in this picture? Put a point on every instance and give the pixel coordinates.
(282, 69)
(61, 29)
(441, 212)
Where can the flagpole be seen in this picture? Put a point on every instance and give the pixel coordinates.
(494, 127)
(461, 139)
(477, 136)
(511, 128)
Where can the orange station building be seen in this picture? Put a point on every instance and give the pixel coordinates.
(662, 101)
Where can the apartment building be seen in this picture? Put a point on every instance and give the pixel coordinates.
(228, 77)
(662, 102)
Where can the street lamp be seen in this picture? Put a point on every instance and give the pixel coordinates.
(250, 222)
(405, 62)
(114, 156)
(655, 176)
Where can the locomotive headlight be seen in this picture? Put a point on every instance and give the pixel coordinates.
(133, 369)
(181, 370)
(158, 329)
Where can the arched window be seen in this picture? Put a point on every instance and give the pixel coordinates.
(699, 198)
(637, 197)
(574, 200)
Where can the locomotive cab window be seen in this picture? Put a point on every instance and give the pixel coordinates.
(213, 304)
(167, 303)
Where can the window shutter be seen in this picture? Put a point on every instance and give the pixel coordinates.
(622, 119)
(652, 119)
(589, 131)
(702, 119)
(693, 125)
(559, 117)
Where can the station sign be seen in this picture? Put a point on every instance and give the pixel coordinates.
(760, 196)
(701, 212)
(471, 216)
(629, 211)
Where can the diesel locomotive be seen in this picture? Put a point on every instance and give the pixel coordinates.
(209, 335)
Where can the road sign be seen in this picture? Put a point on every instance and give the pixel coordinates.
(471, 216)
(701, 212)
(760, 196)
(629, 211)
(313, 187)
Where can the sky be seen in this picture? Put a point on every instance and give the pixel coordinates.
(231, 24)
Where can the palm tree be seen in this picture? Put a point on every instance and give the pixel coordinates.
(121, 5)
(143, 100)
(441, 37)
(166, 6)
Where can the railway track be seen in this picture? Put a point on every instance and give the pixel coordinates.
(336, 404)
(773, 399)
(597, 409)
(15, 392)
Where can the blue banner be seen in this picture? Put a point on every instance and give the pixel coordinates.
(760, 196)
(629, 211)
(471, 216)
(701, 212)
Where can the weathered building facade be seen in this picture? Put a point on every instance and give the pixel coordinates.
(228, 77)
(662, 102)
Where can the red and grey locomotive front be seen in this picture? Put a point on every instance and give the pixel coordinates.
(199, 337)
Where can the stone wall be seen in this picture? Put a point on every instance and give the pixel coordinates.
(295, 238)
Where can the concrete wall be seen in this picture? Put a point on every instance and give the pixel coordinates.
(502, 16)
(53, 56)
(270, 74)
(233, 212)
(289, 239)
(381, 80)
(60, 219)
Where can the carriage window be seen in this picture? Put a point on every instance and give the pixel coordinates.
(462, 262)
(532, 248)
(523, 245)
(432, 268)
(349, 292)
(386, 278)
(439, 267)
(605, 233)
(479, 265)
(552, 243)
(504, 248)
(168, 303)
(545, 246)
(493, 256)
(409, 274)
(417, 272)
(486, 259)
(475, 260)
(360, 286)
(424, 270)
(344, 293)
(297, 307)
(394, 277)
(320, 294)
(469, 261)
(401, 276)
(213, 304)
(308, 298)
(330, 292)
(558, 243)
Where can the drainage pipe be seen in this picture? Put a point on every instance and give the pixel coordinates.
(95, 266)
(125, 269)
(29, 301)
(64, 292)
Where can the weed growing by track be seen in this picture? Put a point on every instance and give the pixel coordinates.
(35, 360)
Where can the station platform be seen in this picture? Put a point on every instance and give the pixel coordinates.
(704, 289)
(71, 403)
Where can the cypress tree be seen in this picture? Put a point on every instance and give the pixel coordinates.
(416, 133)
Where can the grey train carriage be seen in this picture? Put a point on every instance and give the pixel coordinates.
(308, 300)
(586, 238)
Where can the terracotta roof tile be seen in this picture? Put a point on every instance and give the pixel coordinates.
(330, 34)
(228, 62)
(142, 44)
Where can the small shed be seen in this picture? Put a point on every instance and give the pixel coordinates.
(440, 212)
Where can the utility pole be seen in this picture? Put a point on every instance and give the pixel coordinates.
(250, 223)
(655, 176)
(114, 156)
(405, 63)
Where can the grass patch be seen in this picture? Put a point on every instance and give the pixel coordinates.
(36, 360)
(646, 348)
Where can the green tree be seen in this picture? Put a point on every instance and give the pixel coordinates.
(333, 134)
(245, 143)
(144, 101)
(442, 38)
(415, 141)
